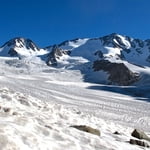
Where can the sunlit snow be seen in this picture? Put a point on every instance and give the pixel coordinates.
(38, 106)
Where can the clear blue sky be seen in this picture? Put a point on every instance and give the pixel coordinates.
(48, 22)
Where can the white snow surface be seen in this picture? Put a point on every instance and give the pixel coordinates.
(38, 104)
(74, 44)
(126, 42)
(23, 52)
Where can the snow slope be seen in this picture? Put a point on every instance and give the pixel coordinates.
(31, 124)
(38, 106)
(114, 47)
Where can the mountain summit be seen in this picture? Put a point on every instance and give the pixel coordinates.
(18, 47)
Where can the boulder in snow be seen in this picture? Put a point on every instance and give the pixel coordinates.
(87, 129)
(138, 142)
(140, 135)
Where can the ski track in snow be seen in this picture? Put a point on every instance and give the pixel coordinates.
(47, 104)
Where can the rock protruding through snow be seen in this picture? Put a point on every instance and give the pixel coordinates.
(138, 142)
(27, 123)
(87, 129)
(118, 72)
(140, 135)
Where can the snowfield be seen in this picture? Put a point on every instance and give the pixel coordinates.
(31, 124)
(38, 106)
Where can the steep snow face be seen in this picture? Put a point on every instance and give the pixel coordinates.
(20, 47)
(73, 43)
(69, 44)
(116, 40)
(114, 47)
(134, 51)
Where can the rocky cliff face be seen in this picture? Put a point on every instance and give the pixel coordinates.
(55, 54)
(118, 72)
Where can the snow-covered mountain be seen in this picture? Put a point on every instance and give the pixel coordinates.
(112, 59)
(45, 101)
(121, 57)
(20, 47)
(113, 47)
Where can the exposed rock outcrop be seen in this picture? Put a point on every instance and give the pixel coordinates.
(118, 72)
(140, 135)
(138, 142)
(55, 54)
(117, 133)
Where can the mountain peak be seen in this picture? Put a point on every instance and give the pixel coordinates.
(20, 42)
(19, 46)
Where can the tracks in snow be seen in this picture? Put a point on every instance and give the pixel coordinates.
(107, 105)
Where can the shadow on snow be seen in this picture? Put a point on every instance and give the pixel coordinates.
(139, 93)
